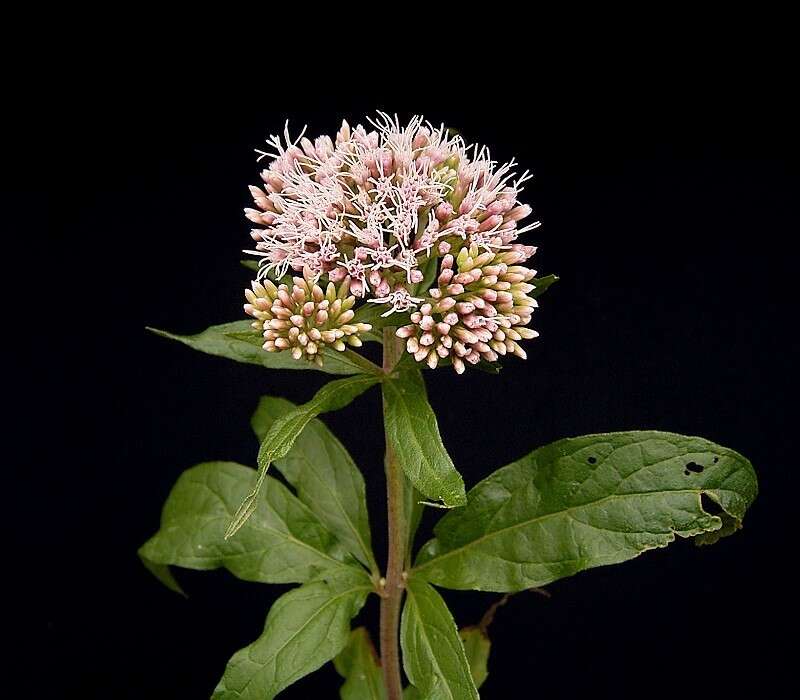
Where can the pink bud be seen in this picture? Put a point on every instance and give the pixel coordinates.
(444, 211)
(405, 331)
(518, 213)
(490, 223)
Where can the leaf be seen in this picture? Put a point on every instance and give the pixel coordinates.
(542, 284)
(284, 432)
(412, 515)
(237, 341)
(283, 543)
(372, 314)
(477, 647)
(433, 655)
(429, 270)
(324, 477)
(586, 502)
(359, 665)
(413, 433)
(163, 573)
(305, 628)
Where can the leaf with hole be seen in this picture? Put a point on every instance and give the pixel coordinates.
(413, 433)
(283, 543)
(238, 341)
(324, 476)
(433, 655)
(284, 431)
(585, 502)
(359, 665)
(305, 628)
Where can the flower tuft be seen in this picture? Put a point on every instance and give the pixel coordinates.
(369, 210)
(478, 309)
(304, 319)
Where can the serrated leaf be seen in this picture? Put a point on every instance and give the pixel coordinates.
(413, 433)
(305, 628)
(542, 284)
(476, 647)
(236, 341)
(324, 476)
(283, 543)
(359, 665)
(586, 502)
(284, 432)
(433, 655)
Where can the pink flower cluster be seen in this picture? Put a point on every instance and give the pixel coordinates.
(381, 208)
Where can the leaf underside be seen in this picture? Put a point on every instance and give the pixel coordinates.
(585, 502)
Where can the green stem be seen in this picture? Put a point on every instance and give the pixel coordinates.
(392, 599)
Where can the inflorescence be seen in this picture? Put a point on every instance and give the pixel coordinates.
(408, 218)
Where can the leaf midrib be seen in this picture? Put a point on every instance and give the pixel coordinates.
(545, 516)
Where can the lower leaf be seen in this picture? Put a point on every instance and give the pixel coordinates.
(305, 628)
(433, 655)
(586, 502)
(360, 666)
(477, 647)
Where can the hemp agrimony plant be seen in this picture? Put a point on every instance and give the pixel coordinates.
(404, 236)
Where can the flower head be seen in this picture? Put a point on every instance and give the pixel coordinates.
(304, 319)
(369, 210)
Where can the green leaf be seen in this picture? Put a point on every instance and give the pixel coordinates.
(542, 284)
(251, 265)
(237, 341)
(283, 543)
(477, 647)
(586, 502)
(433, 655)
(413, 434)
(324, 477)
(284, 432)
(412, 515)
(305, 628)
(372, 314)
(429, 270)
(162, 572)
(359, 665)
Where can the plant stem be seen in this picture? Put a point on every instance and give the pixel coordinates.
(397, 529)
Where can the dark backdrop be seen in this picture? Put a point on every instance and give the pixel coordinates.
(669, 206)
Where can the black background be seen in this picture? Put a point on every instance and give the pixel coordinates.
(669, 204)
